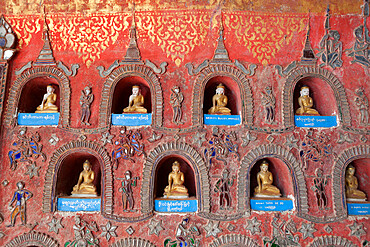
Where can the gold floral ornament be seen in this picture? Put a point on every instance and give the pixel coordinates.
(264, 35)
(176, 33)
(25, 27)
(89, 35)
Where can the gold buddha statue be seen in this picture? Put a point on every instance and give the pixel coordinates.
(352, 193)
(135, 102)
(305, 103)
(264, 180)
(219, 102)
(48, 102)
(175, 187)
(85, 188)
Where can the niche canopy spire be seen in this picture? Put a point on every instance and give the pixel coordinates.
(133, 53)
(221, 54)
(308, 56)
(45, 57)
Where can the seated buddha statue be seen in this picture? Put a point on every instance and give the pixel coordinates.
(352, 192)
(48, 102)
(85, 184)
(219, 102)
(135, 102)
(305, 103)
(264, 180)
(175, 187)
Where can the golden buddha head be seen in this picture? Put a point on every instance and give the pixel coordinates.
(350, 170)
(87, 165)
(264, 165)
(176, 166)
(50, 89)
(135, 90)
(220, 89)
(305, 91)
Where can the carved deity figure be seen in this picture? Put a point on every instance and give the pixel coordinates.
(361, 50)
(264, 180)
(85, 186)
(223, 186)
(175, 187)
(219, 102)
(176, 100)
(85, 101)
(352, 191)
(20, 197)
(48, 101)
(363, 105)
(305, 103)
(268, 101)
(331, 49)
(135, 102)
(319, 183)
(127, 193)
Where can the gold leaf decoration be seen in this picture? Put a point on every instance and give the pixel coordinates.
(24, 27)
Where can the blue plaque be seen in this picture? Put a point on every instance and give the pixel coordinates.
(278, 204)
(315, 121)
(78, 204)
(210, 119)
(358, 208)
(176, 205)
(133, 119)
(37, 119)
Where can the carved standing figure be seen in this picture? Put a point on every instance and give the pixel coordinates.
(361, 49)
(48, 102)
(20, 197)
(265, 180)
(127, 193)
(223, 186)
(331, 49)
(268, 101)
(363, 105)
(176, 100)
(352, 191)
(85, 101)
(135, 102)
(176, 187)
(85, 186)
(319, 183)
(219, 102)
(305, 103)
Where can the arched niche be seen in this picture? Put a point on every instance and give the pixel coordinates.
(142, 74)
(69, 170)
(123, 90)
(231, 91)
(165, 152)
(33, 238)
(359, 156)
(236, 79)
(282, 157)
(332, 241)
(281, 176)
(300, 74)
(35, 76)
(321, 94)
(164, 168)
(33, 93)
(233, 240)
(82, 150)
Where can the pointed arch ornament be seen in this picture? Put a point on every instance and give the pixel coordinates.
(33, 238)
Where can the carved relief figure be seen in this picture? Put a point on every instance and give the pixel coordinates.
(265, 180)
(176, 100)
(352, 191)
(176, 187)
(223, 186)
(127, 193)
(219, 102)
(363, 105)
(184, 236)
(85, 186)
(85, 101)
(319, 183)
(331, 49)
(305, 103)
(20, 197)
(83, 233)
(268, 101)
(135, 102)
(48, 101)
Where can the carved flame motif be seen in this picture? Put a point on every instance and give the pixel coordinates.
(24, 27)
(177, 34)
(264, 35)
(89, 36)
